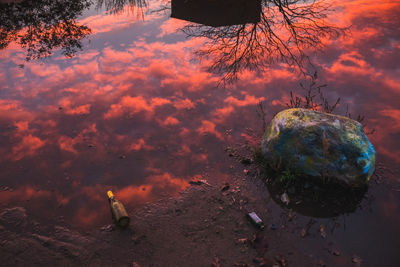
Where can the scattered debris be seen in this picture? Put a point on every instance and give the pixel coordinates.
(273, 227)
(241, 264)
(253, 217)
(245, 171)
(216, 262)
(135, 264)
(107, 228)
(225, 187)
(246, 161)
(235, 190)
(291, 215)
(322, 231)
(199, 182)
(281, 260)
(334, 252)
(122, 157)
(263, 261)
(356, 260)
(260, 244)
(285, 199)
(304, 231)
(242, 240)
(137, 239)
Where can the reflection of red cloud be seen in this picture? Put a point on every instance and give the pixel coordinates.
(184, 132)
(77, 110)
(139, 145)
(104, 23)
(11, 110)
(44, 70)
(233, 102)
(87, 216)
(134, 193)
(184, 104)
(224, 112)
(22, 126)
(395, 115)
(166, 180)
(126, 80)
(133, 105)
(28, 146)
(184, 150)
(201, 157)
(248, 100)
(161, 68)
(88, 55)
(2, 78)
(171, 26)
(87, 68)
(391, 127)
(109, 56)
(68, 144)
(351, 63)
(209, 127)
(169, 121)
(192, 81)
(165, 183)
(23, 193)
(83, 109)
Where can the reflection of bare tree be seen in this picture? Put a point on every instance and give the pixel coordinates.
(41, 26)
(287, 28)
(134, 7)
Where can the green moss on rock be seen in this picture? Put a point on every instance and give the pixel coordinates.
(319, 145)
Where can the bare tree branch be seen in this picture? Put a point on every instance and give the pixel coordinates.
(42, 26)
(284, 33)
(134, 7)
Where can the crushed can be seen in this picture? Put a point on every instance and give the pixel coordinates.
(253, 217)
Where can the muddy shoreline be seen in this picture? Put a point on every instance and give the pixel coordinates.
(204, 226)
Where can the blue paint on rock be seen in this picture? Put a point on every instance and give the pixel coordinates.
(317, 144)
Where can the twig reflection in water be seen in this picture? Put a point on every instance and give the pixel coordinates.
(282, 33)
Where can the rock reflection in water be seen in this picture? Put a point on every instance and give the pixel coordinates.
(318, 201)
(43, 26)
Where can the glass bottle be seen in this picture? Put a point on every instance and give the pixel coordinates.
(118, 211)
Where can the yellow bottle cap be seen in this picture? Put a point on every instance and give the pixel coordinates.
(110, 194)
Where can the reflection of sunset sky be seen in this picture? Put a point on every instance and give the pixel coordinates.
(136, 112)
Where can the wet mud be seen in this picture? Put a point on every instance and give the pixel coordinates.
(206, 225)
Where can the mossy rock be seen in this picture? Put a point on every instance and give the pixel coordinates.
(322, 146)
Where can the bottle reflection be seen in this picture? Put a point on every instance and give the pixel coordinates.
(41, 26)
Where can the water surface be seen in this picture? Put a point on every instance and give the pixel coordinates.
(129, 105)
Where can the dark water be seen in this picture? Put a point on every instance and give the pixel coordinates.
(115, 95)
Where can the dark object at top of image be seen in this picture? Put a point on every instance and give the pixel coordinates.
(217, 13)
